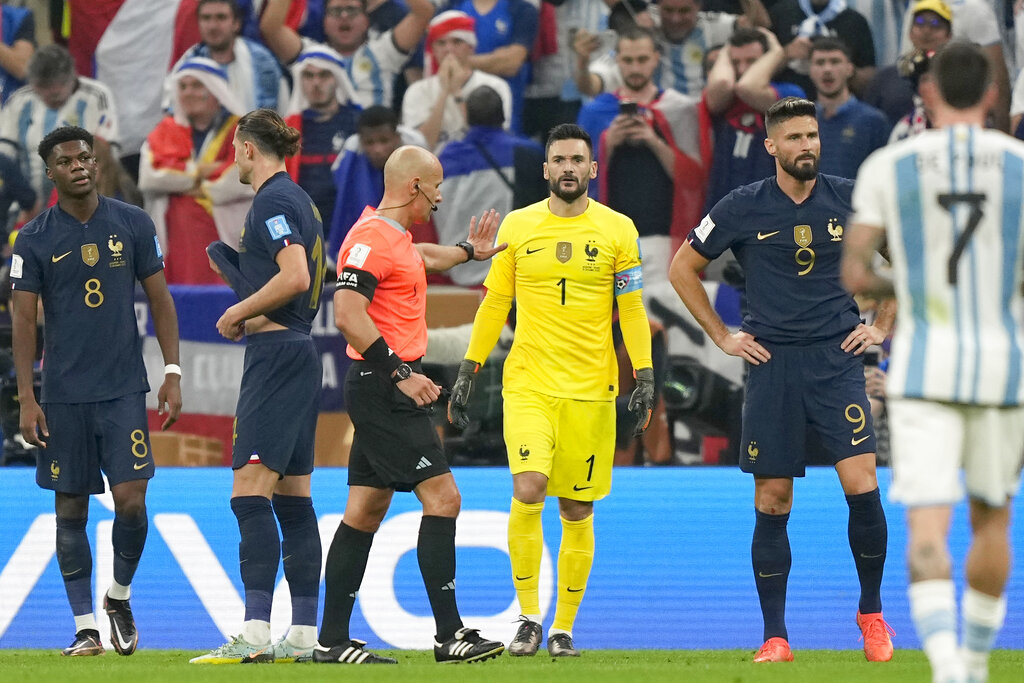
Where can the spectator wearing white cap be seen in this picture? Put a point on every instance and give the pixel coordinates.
(324, 111)
(187, 171)
(436, 105)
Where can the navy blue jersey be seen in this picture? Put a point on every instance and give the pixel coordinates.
(283, 214)
(790, 254)
(85, 274)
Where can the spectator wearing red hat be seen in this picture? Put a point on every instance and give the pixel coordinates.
(436, 105)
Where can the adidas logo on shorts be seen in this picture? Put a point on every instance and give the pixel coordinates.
(423, 464)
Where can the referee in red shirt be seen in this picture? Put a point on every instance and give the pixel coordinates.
(380, 307)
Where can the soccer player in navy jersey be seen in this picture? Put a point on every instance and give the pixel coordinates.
(278, 273)
(802, 337)
(82, 259)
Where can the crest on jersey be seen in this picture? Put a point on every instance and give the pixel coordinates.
(563, 252)
(90, 254)
(802, 235)
(115, 246)
(835, 230)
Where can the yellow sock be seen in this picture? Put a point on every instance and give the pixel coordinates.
(525, 545)
(575, 557)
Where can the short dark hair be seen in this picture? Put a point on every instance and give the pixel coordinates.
(485, 108)
(788, 108)
(267, 130)
(638, 33)
(830, 44)
(59, 136)
(568, 131)
(51, 64)
(746, 36)
(236, 11)
(962, 73)
(376, 116)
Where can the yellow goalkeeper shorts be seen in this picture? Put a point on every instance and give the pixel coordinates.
(571, 442)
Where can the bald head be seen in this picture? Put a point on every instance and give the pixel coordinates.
(412, 176)
(409, 162)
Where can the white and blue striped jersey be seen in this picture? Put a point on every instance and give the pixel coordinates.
(25, 120)
(951, 203)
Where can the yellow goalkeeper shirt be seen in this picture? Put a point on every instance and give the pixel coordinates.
(565, 274)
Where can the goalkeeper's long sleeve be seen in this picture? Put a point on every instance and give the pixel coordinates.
(636, 330)
(488, 323)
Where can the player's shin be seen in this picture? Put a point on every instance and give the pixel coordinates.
(74, 556)
(301, 552)
(868, 536)
(346, 564)
(525, 547)
(128, 536)
(259, 554)
(575, 558)
(983, 617)
(435, 551)
(771, 558)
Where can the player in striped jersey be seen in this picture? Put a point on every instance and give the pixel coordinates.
(950, 204)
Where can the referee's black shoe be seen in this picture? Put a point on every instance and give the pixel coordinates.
(352, 652)
(467, 646)
(123, 635)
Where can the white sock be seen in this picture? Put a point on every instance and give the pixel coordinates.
(553, 631)
(256, 632)
(119, 592)
(86, 622)
(302, 636)
(535, 618)
(983, 617)
(933, 610)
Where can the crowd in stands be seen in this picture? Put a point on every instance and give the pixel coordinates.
(672, 91)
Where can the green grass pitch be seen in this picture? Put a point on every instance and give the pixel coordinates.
(731, 666)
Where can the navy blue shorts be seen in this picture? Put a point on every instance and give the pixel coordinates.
(395, 445)
(278, 403)
(819, 387)
(85, 438)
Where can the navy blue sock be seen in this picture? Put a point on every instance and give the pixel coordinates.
(259, 553)
(302, 556)
(128, 537)
(74, 556)
(435, 551)
(869, 536)
(771, 558)
(346, 564)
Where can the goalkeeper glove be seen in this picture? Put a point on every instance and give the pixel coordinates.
(641, 402)
(461, 390)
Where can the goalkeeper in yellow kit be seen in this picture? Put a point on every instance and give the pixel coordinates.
(568, 259)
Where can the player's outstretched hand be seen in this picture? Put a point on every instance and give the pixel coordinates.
(862, 338)
(420, 389)
(33, 425)
(481, 235)
(641, 402)
(461, 391)
(743, 345)
(168, 399)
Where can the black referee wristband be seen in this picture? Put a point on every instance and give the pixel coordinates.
(470, 251)
(379, 353)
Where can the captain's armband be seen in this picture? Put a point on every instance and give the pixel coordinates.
(630, 280)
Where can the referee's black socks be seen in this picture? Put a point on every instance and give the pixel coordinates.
(346, 564)
(435, 551)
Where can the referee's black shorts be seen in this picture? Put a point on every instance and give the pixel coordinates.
(395, 445)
